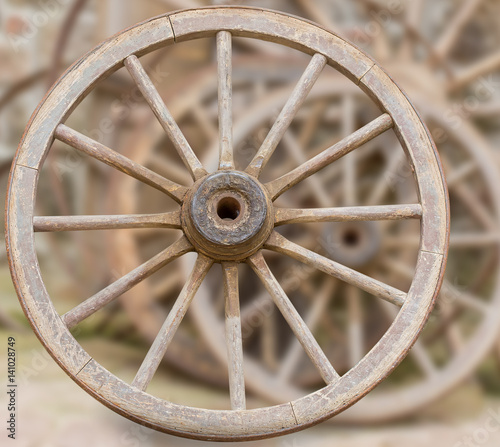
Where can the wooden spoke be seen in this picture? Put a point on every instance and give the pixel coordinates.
(233, 336)
(473, 240)
(457, 240)
(287, 114)
(423, 359)
(355, 328)
(123, 221)
(120, 162)
(260, 304)
(165, 118)
(451, 293)
(125, 283)
(347, 214)
(383, 186)
(482, 68)
(314, 184)
(224, 64)
(343, 147)
(278, 243)
(350, 161)
(318, 309)
(476, 208)
(460, 174)
(464, 298)
(336, 170)
(293, 318)
(452, 32)
(171, 324)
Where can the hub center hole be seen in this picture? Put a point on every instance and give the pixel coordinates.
(228, 208)
(351, 238)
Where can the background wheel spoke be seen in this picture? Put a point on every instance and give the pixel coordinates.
(355, 328)
(448, 290)
(482, 68)
(318, 308)
(452, 32)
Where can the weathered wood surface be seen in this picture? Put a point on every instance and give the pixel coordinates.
(116, 222)
(225, 82)
(233, 336)
(285, 216)
(174, 318)
(280, 244)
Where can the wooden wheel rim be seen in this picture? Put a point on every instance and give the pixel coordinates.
(194, 422)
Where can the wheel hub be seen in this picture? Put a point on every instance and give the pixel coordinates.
(354, 244)
(227, 215)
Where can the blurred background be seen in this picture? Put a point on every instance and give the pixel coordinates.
(445, 54)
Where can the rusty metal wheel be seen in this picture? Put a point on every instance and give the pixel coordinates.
(228, 217)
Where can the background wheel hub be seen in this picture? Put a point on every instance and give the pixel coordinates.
(354, 244)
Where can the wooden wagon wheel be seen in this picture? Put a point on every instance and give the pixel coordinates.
(227, 217)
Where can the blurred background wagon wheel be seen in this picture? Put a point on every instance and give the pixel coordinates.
(453, 46)
(464, 325)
